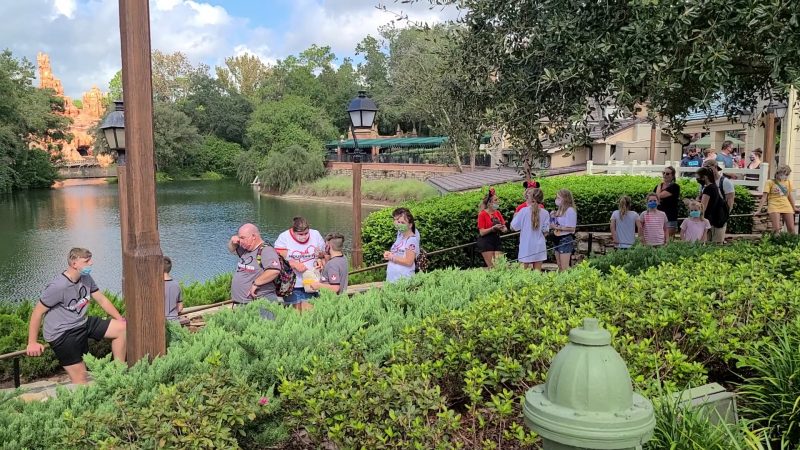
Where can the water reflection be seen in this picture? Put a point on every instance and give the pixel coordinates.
(196, 218)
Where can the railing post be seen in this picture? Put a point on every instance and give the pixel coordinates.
(589, 252)
(16, 372)
(589, 165)
(763, 176)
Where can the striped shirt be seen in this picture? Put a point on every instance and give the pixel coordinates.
(653, 224)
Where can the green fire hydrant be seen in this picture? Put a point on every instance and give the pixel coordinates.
(588, 400)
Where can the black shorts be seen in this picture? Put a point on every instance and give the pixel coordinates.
(489, 243)
(73, 344)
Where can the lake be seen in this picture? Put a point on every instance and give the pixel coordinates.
(195, 219)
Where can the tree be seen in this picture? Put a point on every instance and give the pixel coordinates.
(554, 64)
(172, 75)
(291, 120)
(28, 117)
(286, 167)
(213, 110)
(243, 74)
(218, 156)
(115, 88)
(175, 139)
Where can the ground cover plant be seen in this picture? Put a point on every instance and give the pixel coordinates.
(440, 360)
(382, 190)
(450, 220)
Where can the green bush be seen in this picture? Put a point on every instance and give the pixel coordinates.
(451, 220)
(287, 167)
(771, 394)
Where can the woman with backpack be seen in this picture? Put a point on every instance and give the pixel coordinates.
(779, 200)
(402, 257)
(714, 207)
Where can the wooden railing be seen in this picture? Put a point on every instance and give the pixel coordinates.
(754, 179)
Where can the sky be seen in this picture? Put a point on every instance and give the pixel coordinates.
(82, 36)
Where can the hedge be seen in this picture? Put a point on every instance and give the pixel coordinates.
(435, 361)
(451, 220)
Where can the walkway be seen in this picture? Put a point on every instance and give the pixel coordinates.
(479, 178)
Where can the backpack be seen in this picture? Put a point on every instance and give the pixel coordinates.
(421, 261)
(723, 212)
(284, 282)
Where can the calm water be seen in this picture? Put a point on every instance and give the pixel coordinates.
(196, 219)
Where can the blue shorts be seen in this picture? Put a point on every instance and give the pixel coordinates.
(565, 244)
(673, 224)
(299, 295)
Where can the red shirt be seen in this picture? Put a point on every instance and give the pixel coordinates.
(524, 204)
(485, 220)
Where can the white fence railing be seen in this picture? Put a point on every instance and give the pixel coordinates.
(751, 178)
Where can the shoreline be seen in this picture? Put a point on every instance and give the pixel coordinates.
(334, 200)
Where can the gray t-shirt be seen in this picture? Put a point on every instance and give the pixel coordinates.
(68, 303)
(248, 269)
(626, 228)
(335, 272)
(172, 296)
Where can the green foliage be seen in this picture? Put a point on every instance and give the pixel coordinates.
(287, 167)
(292, 120)
(384, 190)
(217, 155)
(175, 139)
(28, 116)
(451, 220)
(771, 394)
(169, 420)
(215, 111)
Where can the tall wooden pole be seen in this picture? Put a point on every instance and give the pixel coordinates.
(769, 140)
(358, 256)
(142, 260)
(653, 143)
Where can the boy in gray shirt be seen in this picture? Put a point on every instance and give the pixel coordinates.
(63, 305)
(334, 272)
(173, 299)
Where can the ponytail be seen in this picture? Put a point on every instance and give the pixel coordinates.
(535, 196)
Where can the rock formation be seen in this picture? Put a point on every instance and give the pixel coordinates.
(83, 118)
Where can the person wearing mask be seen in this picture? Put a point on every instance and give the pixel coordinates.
(692, 158)
(654, 229)
(669, 194)
(533, 223)
(564, 222)
(695, 228)
(754, 162)
(527, 185)
(624, 224)
(779, 200)
(257, 268)
(490, 225)
(713, 204)
(402, 257)
(334, 272)
(728, 193)
(300, 246)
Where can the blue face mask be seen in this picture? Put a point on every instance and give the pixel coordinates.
(86, 270)
(652, 204)
(694, 214)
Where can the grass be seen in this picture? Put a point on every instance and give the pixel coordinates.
(382, 190)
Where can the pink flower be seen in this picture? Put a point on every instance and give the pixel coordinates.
(263, 401)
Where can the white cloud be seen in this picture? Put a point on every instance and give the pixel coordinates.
(263, 53)
(64, 8)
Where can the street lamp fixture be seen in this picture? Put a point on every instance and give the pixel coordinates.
(745, 116)
(362, 115)
(114, 130)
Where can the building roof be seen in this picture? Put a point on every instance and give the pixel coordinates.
(487, 177)
(418, 142)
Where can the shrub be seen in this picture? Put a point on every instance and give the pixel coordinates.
(384, 190)
(451, 220)
(217, 155)
(295, 164)
(772, 393)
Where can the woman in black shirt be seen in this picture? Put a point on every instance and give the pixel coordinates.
(669, 194)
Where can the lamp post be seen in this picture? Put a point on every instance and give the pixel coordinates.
(362, 114)
(142, 260)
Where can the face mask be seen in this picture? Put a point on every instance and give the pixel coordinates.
(782, 177)
(694, 214)
(752, 157)
(302, 239)
(401, 227)
(86, 270)
(700, 181)
(652, 204)
(495, 205)
(558, 201)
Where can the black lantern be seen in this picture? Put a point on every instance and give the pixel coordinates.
(114, 129)
(362, 111)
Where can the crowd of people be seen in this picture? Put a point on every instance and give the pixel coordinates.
(302, 262)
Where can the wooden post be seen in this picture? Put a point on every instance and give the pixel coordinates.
(589, 167)
(763, 176)
(653, 143)
(142, 260)
(358, 257)
(769, 138)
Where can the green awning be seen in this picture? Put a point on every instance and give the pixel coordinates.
(417, 142)
(705, 141)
